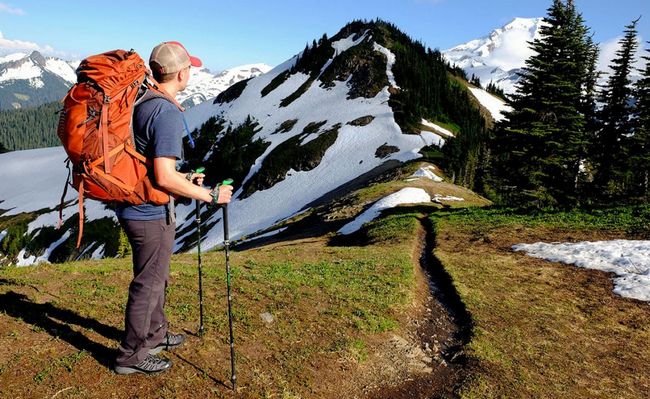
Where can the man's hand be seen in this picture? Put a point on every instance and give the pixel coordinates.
(177, 183)
(197, 178)
(222, 194)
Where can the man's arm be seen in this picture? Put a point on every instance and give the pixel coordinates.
(167, 177)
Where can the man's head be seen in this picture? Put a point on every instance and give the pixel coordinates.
(170, 61)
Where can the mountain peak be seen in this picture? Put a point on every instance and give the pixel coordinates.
(37, 58)
(525, 23)
(498, 56)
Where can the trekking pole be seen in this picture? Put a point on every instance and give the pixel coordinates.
(198, 232)
(226, 243)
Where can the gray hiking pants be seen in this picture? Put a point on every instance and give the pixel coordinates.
(145, 323)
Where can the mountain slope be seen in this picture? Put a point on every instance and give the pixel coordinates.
(32, 80)
(305, 111)
(322, 123)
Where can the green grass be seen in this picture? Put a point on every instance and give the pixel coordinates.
(66, 363)
(330, 304)
(543, 329)
(630, 219)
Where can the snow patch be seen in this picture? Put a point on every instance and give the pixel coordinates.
(389, 64)
(61, 68)
(27, 70)
(628, 259)
(3, 234)
(495, 106)
(98, 253)
(12, 57)
(33, 260)
(344, 44)
(33, 180)
(437, 128)
(430, 138)
(36, 83)
(439, 198)
(426, 173)
(408, 195)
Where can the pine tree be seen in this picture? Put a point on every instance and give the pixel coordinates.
(613, 171)
(640, 149)
(537, 151)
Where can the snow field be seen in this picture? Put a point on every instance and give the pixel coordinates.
(628, 259)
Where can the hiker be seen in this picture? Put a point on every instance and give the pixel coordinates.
(158, 127)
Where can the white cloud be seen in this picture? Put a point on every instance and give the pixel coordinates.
(8, 46)
(513, 51)
(11, 10)
(17, 44)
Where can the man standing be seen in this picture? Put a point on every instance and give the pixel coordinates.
(158, 129)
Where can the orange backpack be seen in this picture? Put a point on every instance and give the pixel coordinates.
(96, 131)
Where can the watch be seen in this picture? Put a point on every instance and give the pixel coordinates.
(215, 194)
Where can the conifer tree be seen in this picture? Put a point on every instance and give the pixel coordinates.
(613, 175)
(640, 149)
(538, 149)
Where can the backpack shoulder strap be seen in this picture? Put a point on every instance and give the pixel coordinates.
(151, 92)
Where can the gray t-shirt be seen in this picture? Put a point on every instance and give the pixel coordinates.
(158, 128)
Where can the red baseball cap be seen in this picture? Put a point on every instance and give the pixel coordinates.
(169, 57)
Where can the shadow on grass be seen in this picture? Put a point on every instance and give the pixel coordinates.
(56, 322)
(203, 372)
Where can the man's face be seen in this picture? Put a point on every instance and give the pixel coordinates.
(185, 78)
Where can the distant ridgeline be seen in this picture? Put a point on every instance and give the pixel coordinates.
(27, 128)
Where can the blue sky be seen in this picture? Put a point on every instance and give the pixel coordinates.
(227, 33)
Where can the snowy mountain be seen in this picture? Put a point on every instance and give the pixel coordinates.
(31, 79)
(328, 118)
(204, 85)
(500, 55)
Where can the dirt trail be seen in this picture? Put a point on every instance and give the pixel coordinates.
(442, 331)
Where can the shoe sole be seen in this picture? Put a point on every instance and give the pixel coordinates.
(130, 370)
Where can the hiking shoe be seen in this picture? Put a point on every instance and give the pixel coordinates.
(169, 342)
(150, 365)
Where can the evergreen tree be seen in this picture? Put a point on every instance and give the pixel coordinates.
(3, 149)
(496, 90)
(22, 129)
(613, 171)
(537, 151)
(640, 149)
